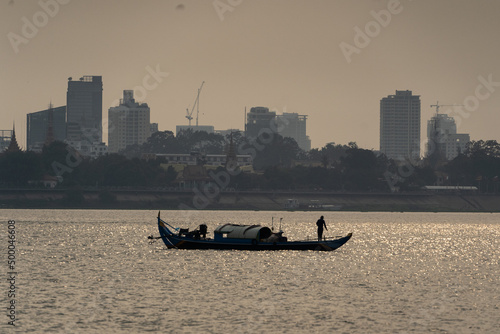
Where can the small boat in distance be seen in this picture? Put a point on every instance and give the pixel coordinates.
(242, 237)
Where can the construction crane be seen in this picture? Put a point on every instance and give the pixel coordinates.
(189, 115)
(437, 105)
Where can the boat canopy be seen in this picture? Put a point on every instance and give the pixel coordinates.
(256, 232)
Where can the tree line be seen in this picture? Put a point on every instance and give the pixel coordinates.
(278, 162)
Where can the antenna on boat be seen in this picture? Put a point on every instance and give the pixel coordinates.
(280, 222)
(272, 223)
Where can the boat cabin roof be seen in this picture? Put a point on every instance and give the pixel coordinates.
(244, 231)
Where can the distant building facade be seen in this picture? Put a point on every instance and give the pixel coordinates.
(38, 126)
(400, 125)
(84, 111)
(208, 159)
(98, 150)
(228, 132)
(91, 150)
(259, 119)
(153, 128)
(293, 125)
(128, 123)
(194, 128)
(443, 138)
(5, 136)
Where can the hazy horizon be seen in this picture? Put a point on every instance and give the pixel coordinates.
(306, 57)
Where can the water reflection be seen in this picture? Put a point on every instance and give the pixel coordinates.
(94, 271)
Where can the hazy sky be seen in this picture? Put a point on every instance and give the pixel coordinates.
(285, 55)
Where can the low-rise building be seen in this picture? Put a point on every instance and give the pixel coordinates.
(194, 128)
(208, 159)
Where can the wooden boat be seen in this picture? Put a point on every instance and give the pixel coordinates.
(242, 237)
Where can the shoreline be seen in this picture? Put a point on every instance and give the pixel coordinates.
(139, 199)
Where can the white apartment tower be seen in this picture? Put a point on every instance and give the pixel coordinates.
(400, 125)
(443, 138)
(128, 123)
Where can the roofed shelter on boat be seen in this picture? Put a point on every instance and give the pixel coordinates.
(234, 231)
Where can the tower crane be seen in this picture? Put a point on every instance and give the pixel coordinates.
(437, 105)
(189, 114)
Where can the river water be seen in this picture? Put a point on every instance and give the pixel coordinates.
(94, 271)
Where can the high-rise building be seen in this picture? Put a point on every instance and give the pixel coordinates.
(43, 124)
(400, 125)
(84, 110)
(293, 125)
(443, 139)
(259, 119)
(128, 123)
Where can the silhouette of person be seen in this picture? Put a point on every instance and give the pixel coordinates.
(321, 223)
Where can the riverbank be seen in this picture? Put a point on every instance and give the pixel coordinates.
(231, 200)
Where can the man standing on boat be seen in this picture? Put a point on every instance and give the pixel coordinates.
(321, 223)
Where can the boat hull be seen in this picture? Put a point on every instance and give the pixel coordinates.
(172, 240)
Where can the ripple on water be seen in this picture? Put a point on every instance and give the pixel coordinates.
(94, 271)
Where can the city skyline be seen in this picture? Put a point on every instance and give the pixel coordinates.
(331, 60)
